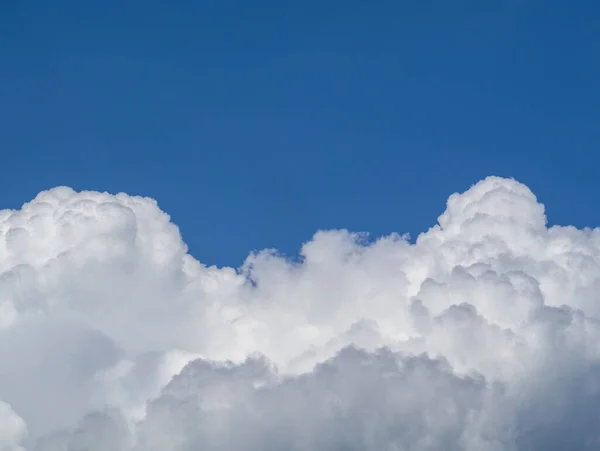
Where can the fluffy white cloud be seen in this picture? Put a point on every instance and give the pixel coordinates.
(483, 334)
(12, 429)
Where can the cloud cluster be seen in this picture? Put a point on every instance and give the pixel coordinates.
(482, 334)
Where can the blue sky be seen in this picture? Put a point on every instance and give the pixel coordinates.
(256, 123)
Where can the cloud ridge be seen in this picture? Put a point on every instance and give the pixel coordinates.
(482, 334)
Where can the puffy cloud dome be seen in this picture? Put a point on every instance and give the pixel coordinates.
(481, 335)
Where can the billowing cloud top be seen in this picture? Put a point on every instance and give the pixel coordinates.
(481, 335)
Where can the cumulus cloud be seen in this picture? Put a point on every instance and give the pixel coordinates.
(482, 334)
(12, 429)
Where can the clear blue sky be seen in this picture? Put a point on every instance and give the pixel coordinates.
(254, 123)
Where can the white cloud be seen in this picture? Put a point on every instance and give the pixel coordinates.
(12, 429)
(482, 335)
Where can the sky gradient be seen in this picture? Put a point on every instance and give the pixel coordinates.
(256, 123)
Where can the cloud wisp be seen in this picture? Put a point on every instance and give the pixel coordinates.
(483, 334)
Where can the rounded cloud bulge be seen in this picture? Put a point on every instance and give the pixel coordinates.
(482, 334)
